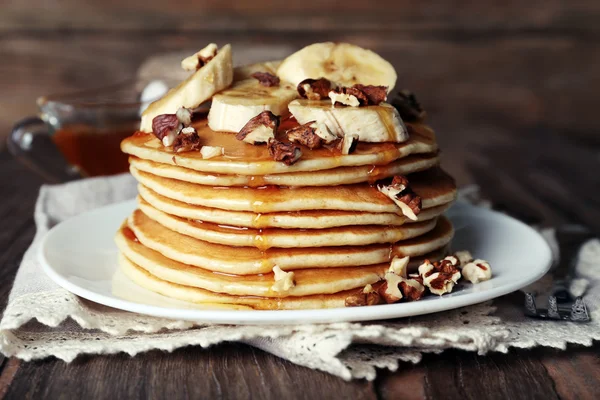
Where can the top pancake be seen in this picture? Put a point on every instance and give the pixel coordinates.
(246, 159)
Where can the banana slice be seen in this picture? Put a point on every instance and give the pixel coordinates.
(246, 71)
(342, 63)
(381, 123)
(234, 107)
(213, 77)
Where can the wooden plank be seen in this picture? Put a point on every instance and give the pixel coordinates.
(576, 371)
(222, 372)
(460, 375)
(298, 15)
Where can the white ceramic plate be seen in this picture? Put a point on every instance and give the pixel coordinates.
(80, 255)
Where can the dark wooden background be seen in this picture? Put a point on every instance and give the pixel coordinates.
(511, 88)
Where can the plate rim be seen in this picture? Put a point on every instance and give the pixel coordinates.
(308, 316)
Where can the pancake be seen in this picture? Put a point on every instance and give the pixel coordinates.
(300, 219)
(434, 186)
(244, 159)
(287, 238)
(308, 281)
(336, 176)
(250, 260)
(192, 294)
(195, 295)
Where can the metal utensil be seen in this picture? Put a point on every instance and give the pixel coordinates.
(561, 304)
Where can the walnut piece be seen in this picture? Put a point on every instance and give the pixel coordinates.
(315, 89)
(464, 257)
(390, 290)
(288, 153)
(284, 281)
(477, 271)
(166, 127)
(266, 79)
(260, 129)
(404, 197)
(374, 94)
(367, 296)
(408, 107)
(187, 140)
(439, 277)
(358, 95)
(306, 135)
(200, 58)
(399, 266)
(412, 289)
(211, 151)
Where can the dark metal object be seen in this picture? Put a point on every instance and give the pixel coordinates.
(561, 304)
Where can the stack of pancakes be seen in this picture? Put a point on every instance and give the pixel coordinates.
(212, 231)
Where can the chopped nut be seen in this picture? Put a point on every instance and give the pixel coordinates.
(374, 94)
(199, 59)
(477, 271)
(364, 297)
(352, 97)
(453, 260)
(266, 79)
(166, 127)
(368, 289)
(407, 105)
(284, 281)
(348, 144)
(305, 135)
(289, 153)
(187, 140)
(184, 115)
(439, 277)
(464, 257)
(211, 151)
(315, 89)
(390, 290)
(259, 129)
(399, 265)
(404, 197)
(412, 289)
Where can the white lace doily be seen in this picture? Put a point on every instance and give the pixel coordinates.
(42, 319)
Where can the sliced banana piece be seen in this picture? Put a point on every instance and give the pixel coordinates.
(380, 123)
(234, 107)
(342, 63)
(213, 77)
(246, 71)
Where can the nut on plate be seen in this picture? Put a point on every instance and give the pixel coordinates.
(288, 153)
(464, 257)
(260, 129)
(368, 296)
(440, 277)
(477, 271)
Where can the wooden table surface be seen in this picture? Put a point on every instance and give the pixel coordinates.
(511, 88)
